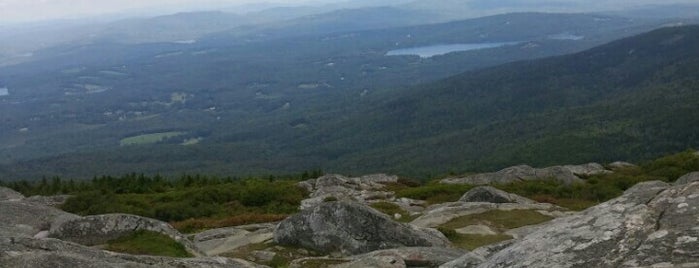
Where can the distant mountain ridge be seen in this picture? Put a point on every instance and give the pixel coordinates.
(630, 99)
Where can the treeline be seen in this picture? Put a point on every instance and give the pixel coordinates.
(190, 202)
(134, 183)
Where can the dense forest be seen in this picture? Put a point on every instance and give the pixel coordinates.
(224, 107)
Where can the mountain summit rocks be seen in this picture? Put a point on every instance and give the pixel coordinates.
(352, 228)
(565, 174)
(338, 187)
(491, 194)
(7, 194)
(652, 225)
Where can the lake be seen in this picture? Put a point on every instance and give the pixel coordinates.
(435, 50)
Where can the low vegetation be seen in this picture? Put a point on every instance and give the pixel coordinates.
(190, 203)
(148, 243)
(392, 209)
(600, 188)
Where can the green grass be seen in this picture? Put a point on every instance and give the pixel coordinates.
(391, 209)
(148, 243)
(499, 219)
(149, 138)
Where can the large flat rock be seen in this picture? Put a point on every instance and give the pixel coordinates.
(351, 228)
(651, 225)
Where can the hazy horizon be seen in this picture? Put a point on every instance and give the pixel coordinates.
(29, 11)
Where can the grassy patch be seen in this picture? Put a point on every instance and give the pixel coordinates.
(148, 243)
(391, 209)
(499, 219)
(149, 138)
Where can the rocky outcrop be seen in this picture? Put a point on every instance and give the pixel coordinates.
(588, 169)
(99, 229)
(20, 251)
(341, 188)
(691, 177)
(621, 165)
(351, 228)
(30, 219)
(565, 174)
(651, 225)
(437, 215)
(477, 256)
(7, 194)
(491, 194)
(218, 241)
(52, 201)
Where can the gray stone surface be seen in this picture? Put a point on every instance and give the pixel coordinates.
(340, 188)
(477, 229)
(28, 218)
(418, 256)
(691, 177)
(588, 169)
(7, 194)
(387, 260)
(99, 229)
(52, 201)
(621, 165)
(351, 228)
(477, 256)
(467, 260)
(491, 194)
(54, 253)
(313, 261)
(222, 240)
(651, 225)
(563, 174)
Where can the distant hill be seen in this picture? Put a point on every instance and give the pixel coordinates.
(631, 99)
(333, 101)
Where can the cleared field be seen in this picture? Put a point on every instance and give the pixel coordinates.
(149, 138)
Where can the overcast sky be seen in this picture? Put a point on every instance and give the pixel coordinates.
(35, 10)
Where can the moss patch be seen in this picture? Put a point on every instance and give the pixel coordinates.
(148, 243)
